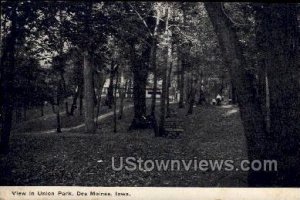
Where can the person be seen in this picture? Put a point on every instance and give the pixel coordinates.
(218, 98)
(213, 102)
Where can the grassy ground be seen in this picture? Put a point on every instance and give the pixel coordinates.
(48, 121)
(76, 158)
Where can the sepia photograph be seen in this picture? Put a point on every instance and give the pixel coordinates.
(149, 94)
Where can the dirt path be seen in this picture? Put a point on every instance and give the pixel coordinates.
(76, 158)
(101, 117)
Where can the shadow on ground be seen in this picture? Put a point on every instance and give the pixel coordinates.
(76, 158)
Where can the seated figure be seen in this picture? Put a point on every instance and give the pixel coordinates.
(213, 102)
(219, 99)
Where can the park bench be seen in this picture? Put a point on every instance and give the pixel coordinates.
(173, 128)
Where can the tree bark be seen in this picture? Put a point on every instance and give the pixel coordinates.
(122, 97)
(58, 100)
(201, 99)
(261, 44)
(178, 74)
(58, 123)
(280, 21)
(182, 79)
(81, 102)
(233, 93)
(115, 101)
(89, 103)
(165, 68)
(154, 69)
(7, 76)
(153, 61)
(75, 97)
(250, 111)
(140, 74)
(169, 66)
(67, 107)
(191, 98)
(102, 82)
(163, 101)
(110, 90)
(139, 92)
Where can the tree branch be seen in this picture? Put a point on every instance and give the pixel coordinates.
(142, 19)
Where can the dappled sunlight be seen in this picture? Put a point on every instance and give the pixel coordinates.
(87, 81)
(227, 106)
(230, 112)
(88, 156)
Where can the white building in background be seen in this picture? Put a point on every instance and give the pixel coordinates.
(149, 87)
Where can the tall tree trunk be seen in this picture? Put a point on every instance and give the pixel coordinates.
(58, 100)
(201, 92)
(110, 90)
(263, 95)
(89, 103)
(81, 102)
(75, 97)
(102, 82)
(165, 76)
(7, 81)
(169, 69)
(67, 107)
(53, 107)
(182, 71)
(222, 85)
(163, 101)
(122, 97)
(261, 44)
(115, 101)
(267, 111)
(154, 69)
(280, 21)
(58, 122)
(191, 98)
(140, 74)
(130, 88)
(250, 111)
(153, 61)
(154, 92)
(233, 93)
(139, 94)
(183, 62)
(178, 74)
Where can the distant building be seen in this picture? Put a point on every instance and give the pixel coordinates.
(149, 87)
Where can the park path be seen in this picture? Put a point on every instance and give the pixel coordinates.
(74, 158)
(101, 117)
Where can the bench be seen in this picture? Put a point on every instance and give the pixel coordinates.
(173, 128)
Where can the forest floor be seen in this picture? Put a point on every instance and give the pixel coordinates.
(48, 123)
(76, 158)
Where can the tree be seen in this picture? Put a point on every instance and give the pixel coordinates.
(233, 57)
(88, 94)
(282, 143)
(155, 35)
(16, 35)
(279, 29)
(140, 74)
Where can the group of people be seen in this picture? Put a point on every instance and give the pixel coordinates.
(217, 100)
